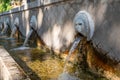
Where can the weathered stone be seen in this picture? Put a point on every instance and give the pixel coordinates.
(56, 17)
(9, 69)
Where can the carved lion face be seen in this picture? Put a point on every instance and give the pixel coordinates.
(84, 24)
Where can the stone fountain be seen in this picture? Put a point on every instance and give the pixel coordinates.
(84, 25)
(33, 26)
(6, 24)
(15, 25)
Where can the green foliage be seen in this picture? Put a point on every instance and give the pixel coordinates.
(4, 5)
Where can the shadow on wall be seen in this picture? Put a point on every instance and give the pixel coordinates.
(57, 29)
(55, 23)
(107, 28)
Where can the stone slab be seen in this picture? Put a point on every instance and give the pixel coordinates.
(9, 69)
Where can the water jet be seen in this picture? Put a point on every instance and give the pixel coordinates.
(83, 24)
(15, 25)
(33, 26)
(6, 24)
(1, 26)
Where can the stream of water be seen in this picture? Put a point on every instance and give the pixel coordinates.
(27, 37)
(38, 64)
(65, 75)
(23, 47)
(73, 47)
(4, 29)
(13, 32)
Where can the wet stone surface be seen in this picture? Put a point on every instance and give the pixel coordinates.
(41, 64)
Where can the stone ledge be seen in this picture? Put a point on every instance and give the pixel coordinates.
(35, 4)
(9, 69)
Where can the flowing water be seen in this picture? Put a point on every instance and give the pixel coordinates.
(65, 75)
(73, 47)
(27, 37)
(23, 47)
(4, 29)
(13, 32)
(38, 64)
(20, 48)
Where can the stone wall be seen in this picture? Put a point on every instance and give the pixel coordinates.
(55, 22)
(9, 69)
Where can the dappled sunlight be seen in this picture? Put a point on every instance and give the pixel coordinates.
(27, 22)
(68, 33)
(56, 39)
(40, 18)
(64, 39)
(42, 63)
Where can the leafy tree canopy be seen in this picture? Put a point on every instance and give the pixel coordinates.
(5, 5)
